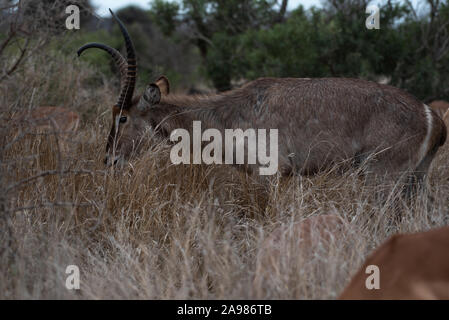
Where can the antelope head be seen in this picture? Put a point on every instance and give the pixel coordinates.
(128, 123)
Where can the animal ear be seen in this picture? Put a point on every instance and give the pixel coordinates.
(163, 84)
(150, 97)
(152, 94)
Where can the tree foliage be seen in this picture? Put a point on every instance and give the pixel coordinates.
(254, 38)
(224, 43)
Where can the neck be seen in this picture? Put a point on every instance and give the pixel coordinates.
(180, 111)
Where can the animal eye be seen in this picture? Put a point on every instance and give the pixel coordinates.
(122, 119)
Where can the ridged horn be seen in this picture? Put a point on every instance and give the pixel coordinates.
(128, 67)
(119, 61)
(126, 94)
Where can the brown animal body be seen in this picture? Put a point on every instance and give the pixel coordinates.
(305, 236)
(57, 119)
(50, 120)
(297, 244)
(321, 122)
(440, 107)
(411, 266)
(308, 232)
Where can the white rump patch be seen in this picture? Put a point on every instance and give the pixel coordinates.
(425, 145)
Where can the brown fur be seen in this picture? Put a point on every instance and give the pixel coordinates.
(309, 232)
(48, 119)
(321, 122)
(440, 107)
(412, 266)
(306, 237)
(163, 85)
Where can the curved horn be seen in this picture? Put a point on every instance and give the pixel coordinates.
(120, 62)
(127, 90)
(128, 69)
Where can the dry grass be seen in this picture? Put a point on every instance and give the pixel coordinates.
(158, 231)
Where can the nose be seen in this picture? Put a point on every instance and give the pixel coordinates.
(109, 160)
(106, 160)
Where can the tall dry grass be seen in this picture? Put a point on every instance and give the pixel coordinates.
(159, 231)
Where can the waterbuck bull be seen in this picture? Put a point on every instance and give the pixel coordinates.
(320, 121)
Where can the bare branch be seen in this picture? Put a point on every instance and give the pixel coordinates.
(49, 205)
(48, 173)
(281, 15)
(10, 6)
(19, 59)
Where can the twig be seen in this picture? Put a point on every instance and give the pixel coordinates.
(22, 54)
(49, 204)
(7, 40)
(47, 173)
(10, 6)
(19, 59)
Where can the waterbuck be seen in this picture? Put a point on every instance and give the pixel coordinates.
(321, 122)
